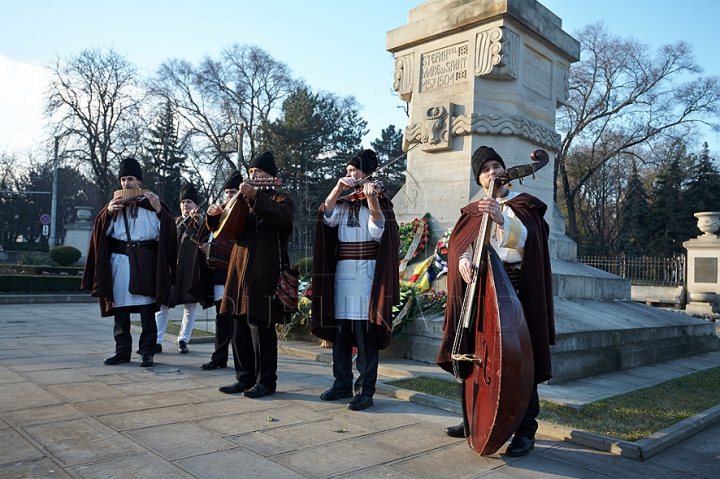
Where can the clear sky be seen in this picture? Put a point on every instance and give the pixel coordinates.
(335, 45)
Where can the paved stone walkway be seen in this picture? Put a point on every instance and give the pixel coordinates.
(64, 414)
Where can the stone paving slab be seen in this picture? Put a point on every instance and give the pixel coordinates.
(40, 469)
(148, 401)
(82, 441)
(235, 463)
(140, 465)
(178, 441)
(15, 448)
(337, 458)
(153, 417)
(43, 415)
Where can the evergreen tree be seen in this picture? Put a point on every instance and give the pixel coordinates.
(635, 216)
(703, 189)
(668, 219)
(164, 159)
(312, 140)
(388, 147)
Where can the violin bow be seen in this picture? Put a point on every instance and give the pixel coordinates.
(368, 178)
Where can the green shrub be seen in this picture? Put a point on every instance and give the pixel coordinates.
(65, 255)
(305, 266)
(31, 259)
(21, 284)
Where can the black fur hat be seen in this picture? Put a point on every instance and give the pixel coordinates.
(233, 181)
(265, 162)
(130, 167)
(366, 161)
(188, 192)
(481, 155)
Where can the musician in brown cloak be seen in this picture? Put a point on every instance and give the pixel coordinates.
(520, 237)
(210, 274)
(188, 225)
(141, 288)
(355, 281)
(252, 280)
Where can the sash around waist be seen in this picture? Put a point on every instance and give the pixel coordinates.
(358, 250)
(120, 247)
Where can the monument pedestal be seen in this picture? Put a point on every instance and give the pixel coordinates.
(703, 255)
(78, 233)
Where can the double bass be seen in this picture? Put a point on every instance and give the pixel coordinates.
(492, 352)
(235, 212)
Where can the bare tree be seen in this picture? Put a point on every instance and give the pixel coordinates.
(220, 98)
(94, 101)
(621, 96)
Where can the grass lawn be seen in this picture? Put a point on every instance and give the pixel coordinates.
(630, 416)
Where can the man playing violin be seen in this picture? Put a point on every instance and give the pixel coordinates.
(252, 280)
(355, 280)
(520, 238)
(108, 273)
(210, 274)
(187, 224)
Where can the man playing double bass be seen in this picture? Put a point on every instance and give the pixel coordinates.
(520, 237)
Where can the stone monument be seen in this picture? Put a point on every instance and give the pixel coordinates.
(78, 233)
(703, 254)
(493, 72)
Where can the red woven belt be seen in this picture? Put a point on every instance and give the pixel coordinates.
(358, 251)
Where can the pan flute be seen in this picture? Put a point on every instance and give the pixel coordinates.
(128, 195)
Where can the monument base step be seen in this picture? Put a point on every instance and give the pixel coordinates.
(591, 338)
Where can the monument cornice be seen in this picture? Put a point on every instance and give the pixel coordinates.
(439, 18)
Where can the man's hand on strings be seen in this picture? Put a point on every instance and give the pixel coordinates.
(466, 269)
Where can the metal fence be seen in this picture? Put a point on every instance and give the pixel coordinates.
(642, 270)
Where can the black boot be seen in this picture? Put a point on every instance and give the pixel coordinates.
(456, 431)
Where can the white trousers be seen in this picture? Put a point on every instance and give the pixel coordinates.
(188, 321)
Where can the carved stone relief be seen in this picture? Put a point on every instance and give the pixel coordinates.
(561, 75)
(497, 54)
(477, 124)
(433, 132)
(444, 67)
(403, 78)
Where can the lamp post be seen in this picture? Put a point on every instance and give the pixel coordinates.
(53, 207)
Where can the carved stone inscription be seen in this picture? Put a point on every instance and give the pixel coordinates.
(444, 67)
(706, 270)
(537, 73)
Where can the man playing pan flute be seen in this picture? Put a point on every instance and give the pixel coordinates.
(140, 231)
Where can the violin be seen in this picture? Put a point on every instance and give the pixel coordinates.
(379, 191)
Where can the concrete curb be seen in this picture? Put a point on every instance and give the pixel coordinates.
(641, 450)
(47, 298)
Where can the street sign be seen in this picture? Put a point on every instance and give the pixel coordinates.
(46, 230)
(44, 219)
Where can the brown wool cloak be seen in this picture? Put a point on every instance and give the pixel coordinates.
(203, 277)
(535, 281)
(386, 281)
(254, 266)
(97, 277)
(185, 262)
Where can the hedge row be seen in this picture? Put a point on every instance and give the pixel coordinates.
(30, 270)
(24, 284)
